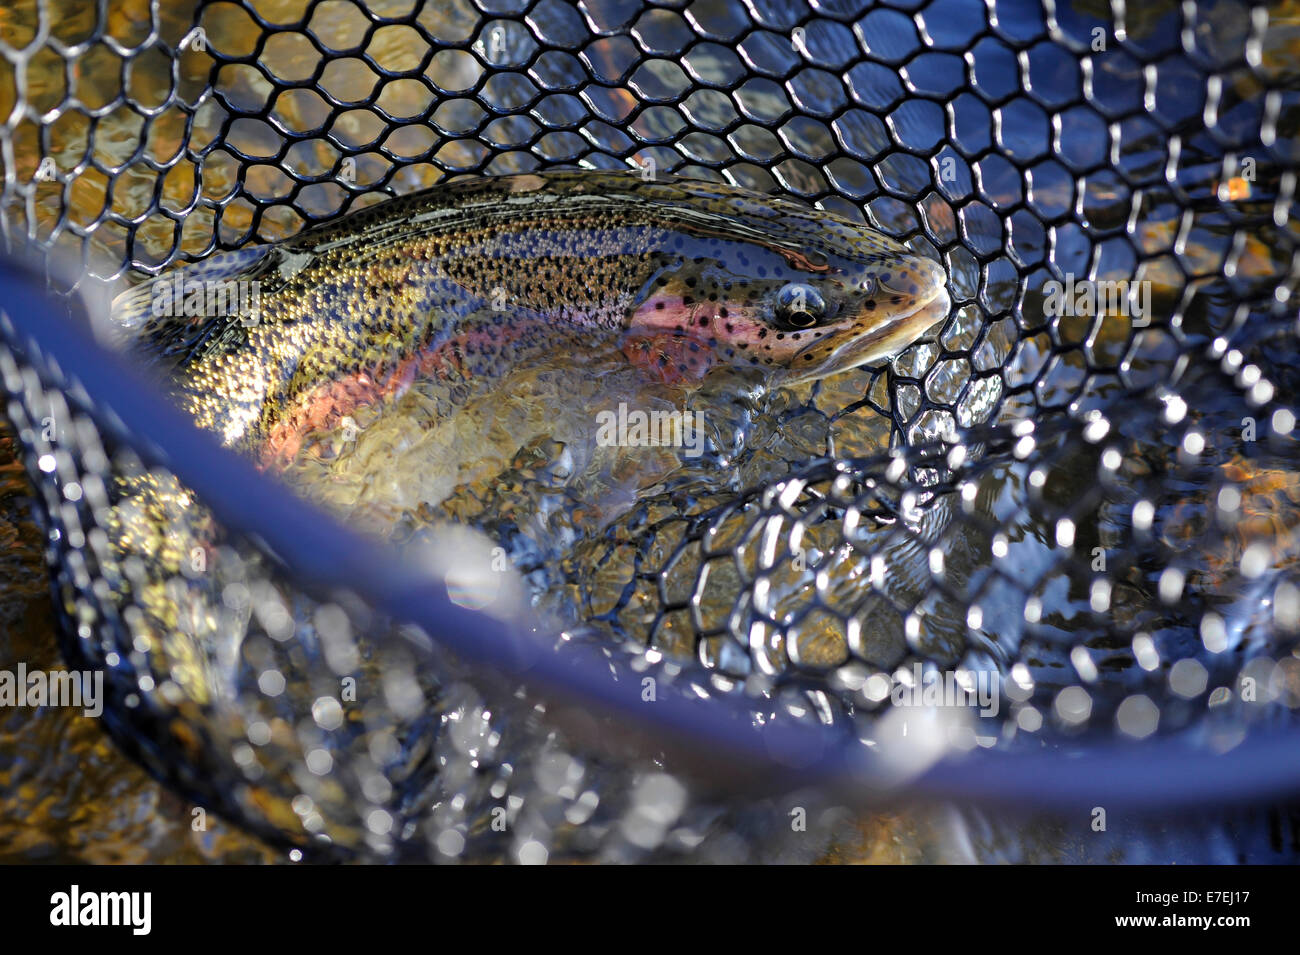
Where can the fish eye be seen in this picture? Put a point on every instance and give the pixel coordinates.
(869, 285)
(799, 306)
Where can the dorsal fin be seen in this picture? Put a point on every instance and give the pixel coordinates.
(152, 314)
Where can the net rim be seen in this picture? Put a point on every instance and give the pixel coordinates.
(323, 555)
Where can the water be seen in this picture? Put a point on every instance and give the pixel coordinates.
(677, 556)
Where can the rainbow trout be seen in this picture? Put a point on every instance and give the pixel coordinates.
(274, 347)
(449, 357)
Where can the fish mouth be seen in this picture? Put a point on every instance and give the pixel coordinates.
(883, 341)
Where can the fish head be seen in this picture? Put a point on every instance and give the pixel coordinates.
(863, 313)
(797, 292)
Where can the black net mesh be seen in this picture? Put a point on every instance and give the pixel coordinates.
(1094, 510)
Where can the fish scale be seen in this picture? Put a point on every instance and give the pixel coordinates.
(466, 280)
